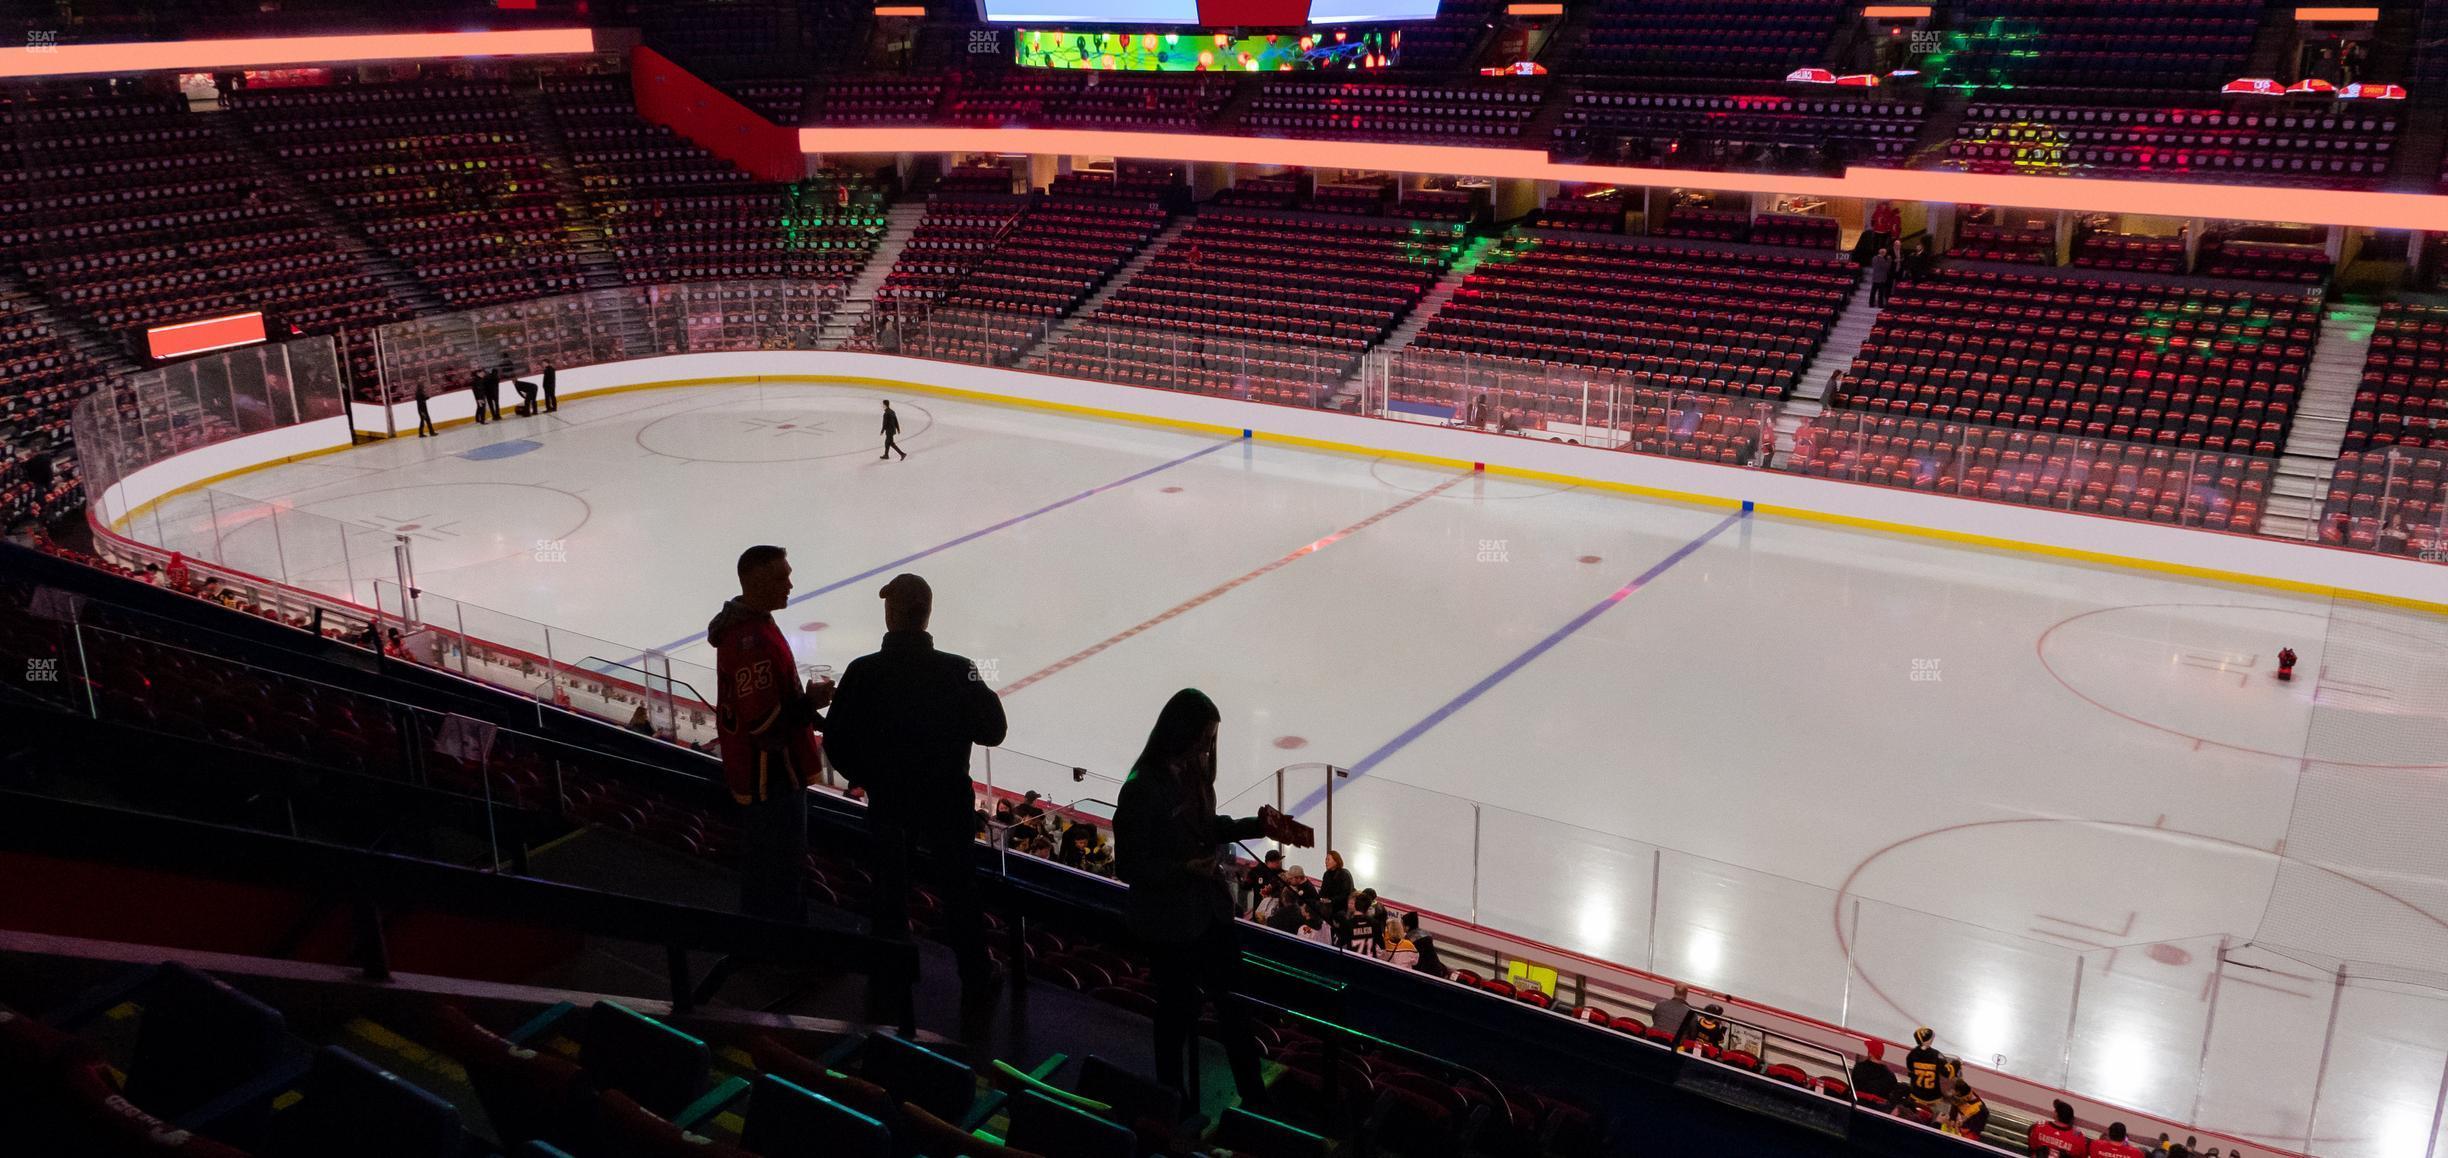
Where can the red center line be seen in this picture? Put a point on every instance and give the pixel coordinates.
(1219, 589)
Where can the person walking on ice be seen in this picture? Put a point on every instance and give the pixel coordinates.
(892, 426)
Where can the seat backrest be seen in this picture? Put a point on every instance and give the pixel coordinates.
(790, 1121)
(1241, 1130)
(914, 1073)
(351, 1106)
(659, 1067)
(1046, 1126)
(1133, 1098)
(199, 1038)
(526, 1094)
(937, 1138)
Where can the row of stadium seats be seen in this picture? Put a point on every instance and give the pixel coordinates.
(1712, 130)
(135, 213)
(1062, 248)
(673, 212)
(441, 174)
(1741, 322)
(1244, 303)
(2194, 368)
(2324, 148)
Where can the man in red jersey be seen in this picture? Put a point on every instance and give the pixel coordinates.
(2115, 1145)
(767, 723)
(2058, 1138)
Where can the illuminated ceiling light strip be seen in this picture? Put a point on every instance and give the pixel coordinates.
(208, 55)
(2085, 194)
(899, 10)
(1897, 11)
(2352, 15)
(1534, 10)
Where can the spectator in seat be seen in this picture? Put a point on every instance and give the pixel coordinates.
(638, 722)
(1254, 881)
(1967, 1114)
(1395, 947)
(1335, 887)
(1871, 1076)
(1707, 1027)
(1670, 1014)
(1364, 919)
(1429, 962)
(2057, 1137)
(1298, 889)
(1077, 841)
(1925, 1070)
(1169, 844)
(1292, 914)
(1269, 896)
(2116, 1145)
(901, 727)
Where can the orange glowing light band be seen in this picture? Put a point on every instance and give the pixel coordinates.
(2349, 15)
(208, 55)
(2102, 195)
(1896, 11)
(196, 337)
(1534, 10)
(899, 10)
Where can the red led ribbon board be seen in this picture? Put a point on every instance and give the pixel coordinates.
(210, 334)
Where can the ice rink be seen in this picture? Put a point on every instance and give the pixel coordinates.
(2061, 813)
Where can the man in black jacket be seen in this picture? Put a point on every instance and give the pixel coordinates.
(892, 430)
(552, 398)
(900, 728)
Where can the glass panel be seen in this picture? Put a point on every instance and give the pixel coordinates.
(1564, 885)
(1730, 929)
(2385, 1062)
(1997, 1000)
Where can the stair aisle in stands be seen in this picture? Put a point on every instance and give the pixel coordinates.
(900, 221)
(1412, 323)
(1114, 284)
(395, 274)
(586, 233)
(1844, 343)
(2310, 456)
(69, 325)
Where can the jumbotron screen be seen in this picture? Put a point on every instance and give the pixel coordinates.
(1207, 13)
(1205, 52)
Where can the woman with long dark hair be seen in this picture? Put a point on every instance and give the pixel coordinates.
(1170, 848)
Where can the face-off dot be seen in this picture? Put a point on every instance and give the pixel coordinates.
(1288, 743)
